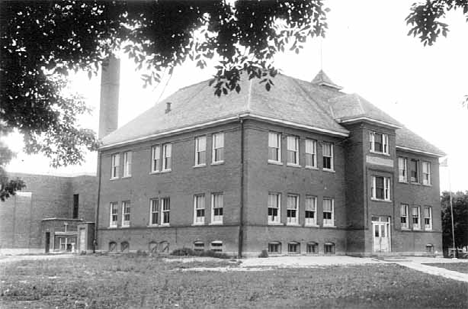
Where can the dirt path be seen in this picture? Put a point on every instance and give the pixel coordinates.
(5, 259)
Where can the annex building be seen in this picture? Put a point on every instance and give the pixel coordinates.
(301, 169)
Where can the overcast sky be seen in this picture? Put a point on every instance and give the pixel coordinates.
(367, 51)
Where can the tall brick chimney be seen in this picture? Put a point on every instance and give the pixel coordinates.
(109, 105)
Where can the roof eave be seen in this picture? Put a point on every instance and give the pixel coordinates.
(428, 153)
(367, 119)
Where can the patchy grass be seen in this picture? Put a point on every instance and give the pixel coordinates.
(149, 282)
(460, 267)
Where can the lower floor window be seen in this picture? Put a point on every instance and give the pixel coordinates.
(112, 246)
(274, 247)
(198, 246)
(430, 248)
(329, 248)
(217, 246)
(294, 247)
(312, 247)
(124, 246)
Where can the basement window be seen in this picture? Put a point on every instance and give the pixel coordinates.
(312, 247)
(294, 247)
(112, 246)
(274, 247)
(217, 246)
(430, 248)
(329, 248)
(198, 246)
(124, 247)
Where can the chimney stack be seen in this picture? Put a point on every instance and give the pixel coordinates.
(168, 107)
(109, 105)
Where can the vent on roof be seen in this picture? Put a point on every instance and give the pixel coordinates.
(168, 107)
(322, 79)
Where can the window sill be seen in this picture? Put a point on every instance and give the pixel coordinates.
(311, 167)
(125, 226)
(328, 170)
(403, 181)
(415, 183)
(165, 225)
(275, 162)
(379, 200)
(329, 227)
(114, 178)
(217, 163)
(275, 223)
(124, 177)
(198, 224)
(311, 225)
(112, 227)
(199, 165)
(293, 224)
(155, 172)
(152, 225)
(293, 165)
(407, 229)
(216, 223)
(379, 153)
(166, 171)
(427, 184)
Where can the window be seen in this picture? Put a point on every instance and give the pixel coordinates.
(198, 246)
(428, 218)
(329, 248)
(426, 173)
(403, 169)
(217, 246)
(126, 213)
(154, 211)
(378, 142)
(218, 148)
(217, 201)
(200, 151)
(430, 248)
(114, 213)
(294, 247)
(328, 212)
(310, 210)
(311, 153)
(414, 170)
(127, 164)
(112, 246)
(274, 204)
(292, 209)
(416, 215)
(115, 165)
(293, 150)
(327, 153)
(124, 247)
(167, 157)
(76, 205)
(404, 216)
(274, 247)
(381, 188)
(155, 158)
(199, 209)
(166, 209)
(274, 147)
(312, 247)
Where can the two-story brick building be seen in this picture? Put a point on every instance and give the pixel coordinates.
(303, 168)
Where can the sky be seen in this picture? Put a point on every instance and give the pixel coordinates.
(366, 51)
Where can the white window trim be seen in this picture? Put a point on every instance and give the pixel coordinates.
(293, 220)
(406, 226)
(115, 163)
(156, 156)
(278, 217)
(428, 227)
(418, 180)
(278, 140)
(308, 221)
(426, 165)
(165, 148)
(215, 220)
(217, 147)
(313, 153)
(387, 189)
(124, 222)
(329, 222)
(384, 143)
(111, 222)
(200, 149)
(161, 206)
(403, 178)
(151, 212)
(127, 164)
(416, 227)
(201, 220)
(332, 158)
(293, 140)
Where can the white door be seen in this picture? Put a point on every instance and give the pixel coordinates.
(381, 234)
(82, 240)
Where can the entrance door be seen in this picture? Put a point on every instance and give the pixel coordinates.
(82, 240)
(381, 232)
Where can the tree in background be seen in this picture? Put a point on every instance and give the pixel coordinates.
(460, 219)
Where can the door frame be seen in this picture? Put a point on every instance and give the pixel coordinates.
(381, 221)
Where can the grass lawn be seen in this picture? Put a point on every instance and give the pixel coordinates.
(146, 282)
(460, 267)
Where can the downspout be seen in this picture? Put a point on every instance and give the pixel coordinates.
(241, 216)
(96, 221)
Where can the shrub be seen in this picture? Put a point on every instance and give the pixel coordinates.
(263, 254)
(208, 253)
(183, 252)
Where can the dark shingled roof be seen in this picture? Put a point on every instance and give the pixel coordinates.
(317, 105)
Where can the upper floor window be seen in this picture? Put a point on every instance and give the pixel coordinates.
(293, 150)
(428, 218)
(155, 158)
(166, 210)
(154, 211)
(199, 209)
(167, 157)
(274, 147)
(426, 173)
(378, 142)
(327, 153)
(292, 209)
(381, 188)
(114, 214)
(217, 201)
(416, 214)
(126, 213)
(218, 148)
(200, 151)
(414, 173)
(328, 212)
(115, 165)
(404, 209)
(402, 169)
(274, 205)
(127, 164)
(310, 210)
(310, 153)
